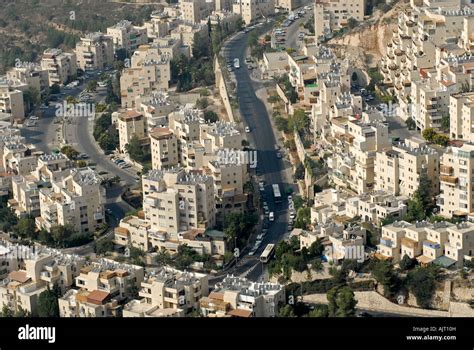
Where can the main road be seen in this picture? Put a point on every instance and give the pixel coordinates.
(262, 138)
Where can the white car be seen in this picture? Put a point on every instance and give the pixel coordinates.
(271, 216)
(34, 117)
(247, 129)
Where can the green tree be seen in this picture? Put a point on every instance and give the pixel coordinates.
(421, 282)
(440, 139)
(407, 263)
(103, 246)
(428, 134)
(299, 120)
(384, 274)
(25, 228)
(202, 103)
(286, 311)
(54, 89)
(410, 123)
(135, 149)
(303, 218)
(211, 117)
(31, 98)
(319, 311)
(48, 304)
(345, 302)
(6, 312)
(299, 172)
(91, 86)
(69, 152)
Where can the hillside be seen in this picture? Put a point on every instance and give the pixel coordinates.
(27, 27)
(364, 45)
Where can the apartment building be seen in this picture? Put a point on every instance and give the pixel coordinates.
(399, 168)
(18, 158)
(441, 243)
(186, 125)
(25, 188)
(350, 244)
(27, 272)
(357, 143)
(11, 101)
(76, 200)
(332, 15)
(319, 232)
(328, 204)
(175, 200)
(427, 34)
(61, 66)
(244, 299)
(84, 303)
(95, 51)
(129, 124)
(116, 279)
(184, 33)
(376, 206)
(127, 36)
(135, 231)
(461, 112)
(28, 75)
(194, 11)
(164, 148)
(149, 72)
(251, 10)
(155, 107)
(456, 179)
(168, 288)
(159, 25)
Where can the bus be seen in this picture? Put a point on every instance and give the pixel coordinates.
(267, 253)
(276, 193)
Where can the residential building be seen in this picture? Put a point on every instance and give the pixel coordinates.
(84, 303)
(95, 51)
(193, 11)
(251, 10)
(105, 275)
(175, 200)
(332, 15)
(77, 200)
(127, 36)
(164, 148)
(456, 182)
(245, 299)
(129, 124)
(399, 168)
(11, 101)
(61, 66)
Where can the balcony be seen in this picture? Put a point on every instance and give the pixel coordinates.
(446, 170)
(452, 180)
(386, 242)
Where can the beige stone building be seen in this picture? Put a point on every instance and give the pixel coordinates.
(244, 299)
(11, 101)
(461, 111)
(84, 303)
(129, 124)
(175, 200)
(164, 148)
(399, 168)
(441, 243)
(27, 272)
(193, 11)
(61, 66)
(251, 10)
(149, 72)
(95, 51)
(76, 200)
(332, 15)
(127, 36)
(456, 175)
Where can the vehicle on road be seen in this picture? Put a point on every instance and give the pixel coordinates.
(278, 154)
(247, 129)
(236, 63)
(271, 216)
(34, 117)
(276, 193)
(267, 253)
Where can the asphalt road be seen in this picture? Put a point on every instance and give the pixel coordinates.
(262, 138)
(46, 136)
